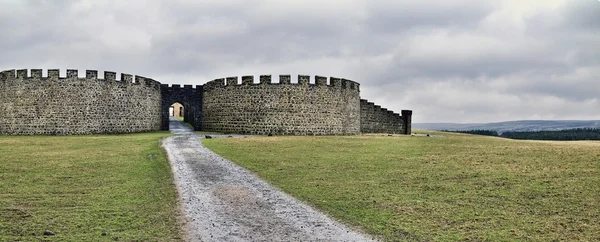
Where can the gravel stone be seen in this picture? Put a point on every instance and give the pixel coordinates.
(225, 202)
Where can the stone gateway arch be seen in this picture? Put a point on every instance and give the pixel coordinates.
(33, 104)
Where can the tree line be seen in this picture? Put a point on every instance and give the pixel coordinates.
(566, 134)
(476, 131)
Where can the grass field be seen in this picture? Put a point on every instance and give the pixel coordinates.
(87, 188)
(446, 187)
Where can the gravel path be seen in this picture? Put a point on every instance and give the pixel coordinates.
(224, 202)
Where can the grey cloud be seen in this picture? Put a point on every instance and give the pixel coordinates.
(465, 60)
(400, 16)
(582, 14)
(541, 62)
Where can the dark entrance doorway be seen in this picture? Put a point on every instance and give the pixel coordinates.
(184, 103)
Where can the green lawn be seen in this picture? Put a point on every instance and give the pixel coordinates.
(448, 187)
(87, 188)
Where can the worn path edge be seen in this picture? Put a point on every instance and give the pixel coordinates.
(222, 201)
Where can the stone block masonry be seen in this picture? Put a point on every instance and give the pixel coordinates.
(32, 105)
(281, 108)
(375, 119)
(53, 105)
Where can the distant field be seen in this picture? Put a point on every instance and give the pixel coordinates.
(86, 188)
(444, 187)
(520, 125)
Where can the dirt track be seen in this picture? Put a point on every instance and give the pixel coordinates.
(224, 202)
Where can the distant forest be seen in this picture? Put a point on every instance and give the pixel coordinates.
(476, 131)
(566, 134)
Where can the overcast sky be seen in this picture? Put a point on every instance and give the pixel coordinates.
(448, 61)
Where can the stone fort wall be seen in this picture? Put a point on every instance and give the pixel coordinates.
(281, 108)
(375, 119)
(32, 104)
(52, 105)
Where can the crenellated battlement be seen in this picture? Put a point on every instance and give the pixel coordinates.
(177, 88)
(366, 105)
(86, 102)
(303, 80)
(72, 74)
(262, 104)
(375, 119)
(38, 102)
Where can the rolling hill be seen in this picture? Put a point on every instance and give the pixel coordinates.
(521, 125)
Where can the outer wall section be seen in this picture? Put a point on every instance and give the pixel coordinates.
(374, 119)
(282, 108)
(34, 105)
